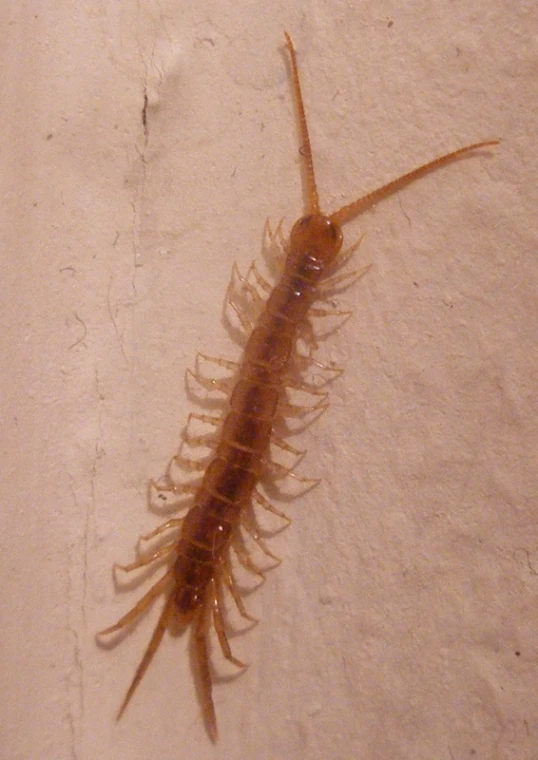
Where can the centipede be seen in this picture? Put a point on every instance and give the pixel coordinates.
(202, 550)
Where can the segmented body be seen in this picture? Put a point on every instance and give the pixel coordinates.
(198, 553)
(242, 451)
(241, 454)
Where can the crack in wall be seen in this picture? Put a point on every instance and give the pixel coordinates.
(137, 203)
(78, 587)
(77, 625)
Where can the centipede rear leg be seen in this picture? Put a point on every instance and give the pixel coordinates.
(201, 662)
(151, 648)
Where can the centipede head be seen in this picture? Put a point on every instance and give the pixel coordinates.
(318, 236)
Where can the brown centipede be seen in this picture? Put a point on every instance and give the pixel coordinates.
(198, 551)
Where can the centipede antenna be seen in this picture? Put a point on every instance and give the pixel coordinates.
(346, 213)
(305, 150)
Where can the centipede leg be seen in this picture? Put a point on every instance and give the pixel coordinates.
(188, 463)
(279, 472)
(275, 239)
(196, 435)
(227, 363)
(170, 487)
(209, 419)
(204, 675)
(260, 499)
(344, 257)
(175, 522)
(298, 410)
(245, 322)
(321, 312)
(304, 387)
(141, 606)
(262, 282)
(218, 622)
(161, 553)
(167, 493)
(307, 361)
(231, 584)
(285, 446)
(244, 557)
(247, 286)
(222, 385)
(251, 528)
(342, 281)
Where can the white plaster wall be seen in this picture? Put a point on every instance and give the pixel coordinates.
(403, 622)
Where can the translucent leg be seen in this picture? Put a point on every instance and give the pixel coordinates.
(218, 622)
(161, 553)
(304, 387)
(345, 256)
(201, 438)
(210, 384)
(285, 446)
(252, 530)
(245, 322)
(243, 556)
(262, 282)
(190, 464)
(260, 499)
(329, 313)
(279, 471)
(141, 606)
(310, 360)
(207, 418)
(170, 495)
(226, 363)
(231, 584)
(275, 238)
(176, 488)
(175, 522)
(248, 286)
(297, 410)
(204, 675)
(343, 281)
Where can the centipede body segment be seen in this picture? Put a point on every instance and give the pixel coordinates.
(198, 548)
